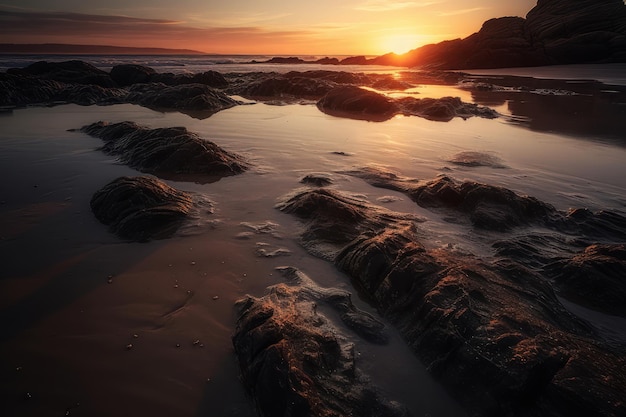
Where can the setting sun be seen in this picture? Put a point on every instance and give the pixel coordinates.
(400, 43)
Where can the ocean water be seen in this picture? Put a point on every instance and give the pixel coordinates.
(188, 64)
(68, 325)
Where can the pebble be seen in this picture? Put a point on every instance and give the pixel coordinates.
(129, 346)
(193, 262)
(177, 345)
(216, 297)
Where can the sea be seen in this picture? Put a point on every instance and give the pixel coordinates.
(74, 297)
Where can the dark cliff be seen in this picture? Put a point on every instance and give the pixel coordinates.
(553, 32)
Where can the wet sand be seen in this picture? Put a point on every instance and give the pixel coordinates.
(96, 326)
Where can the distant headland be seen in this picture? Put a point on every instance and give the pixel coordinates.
(68, 49)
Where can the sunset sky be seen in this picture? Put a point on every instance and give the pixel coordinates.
(280, 27)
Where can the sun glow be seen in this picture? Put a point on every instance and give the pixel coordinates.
(400, 43)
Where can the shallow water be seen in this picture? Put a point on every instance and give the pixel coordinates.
(74, 296)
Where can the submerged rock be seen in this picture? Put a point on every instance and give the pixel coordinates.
(166, 152)
(295, 362)
(141, 208)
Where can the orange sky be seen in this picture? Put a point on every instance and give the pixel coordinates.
(279, 27)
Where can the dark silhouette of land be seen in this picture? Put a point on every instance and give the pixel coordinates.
(68, 49)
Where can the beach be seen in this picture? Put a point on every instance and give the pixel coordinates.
(97, 325)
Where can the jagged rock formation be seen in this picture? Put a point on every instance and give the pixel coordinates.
(295, 362)
(492, 331)
(141, 208)
(554, 32)
(167, 152)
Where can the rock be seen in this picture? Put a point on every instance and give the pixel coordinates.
(477, 159)
(295, 362)
(554, 32)
(318, 180)
(141, 208)
(198, 100)
(595, 278)
(354, 60)
(493, 332)
(129, 74)
(287, 88)
(172, 153)
(71, 72)
(210, 78)
(357, 103)
(487, 207)
(38, 85)
(584, 31)
(443, 109)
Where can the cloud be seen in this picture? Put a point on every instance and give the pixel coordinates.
(462, 11)
(384, 6)
(65, 27)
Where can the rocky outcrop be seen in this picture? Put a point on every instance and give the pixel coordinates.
(581, 31)
(20, 90)
(357, 103)
(71, 72)
(295, 362)
(286, 88)
(141, 208)
(493, 332)
(197, 99)
(172, 153)
(59, 83)
(129, 74)
(595, 277)
(443, 109)
(554, 32)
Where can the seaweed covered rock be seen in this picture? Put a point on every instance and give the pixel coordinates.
(166, 152)
(295, 362)
(141, 208)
